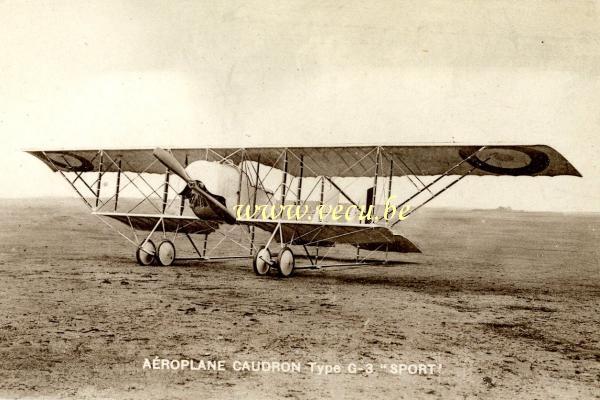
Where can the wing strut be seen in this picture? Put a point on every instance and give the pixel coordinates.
(440, 177)
(454, 182)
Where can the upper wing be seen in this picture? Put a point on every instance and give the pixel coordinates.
(369, 236)
(347, 161)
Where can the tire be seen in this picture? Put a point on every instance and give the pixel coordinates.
(259, 265)
(146, 253)
(165, 253)
(286, 262)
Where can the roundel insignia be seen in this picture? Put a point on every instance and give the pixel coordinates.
(507, 160)
(67, 162)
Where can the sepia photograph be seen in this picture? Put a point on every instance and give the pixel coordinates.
(300, 199)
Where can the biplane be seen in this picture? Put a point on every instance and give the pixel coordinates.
(159, 196)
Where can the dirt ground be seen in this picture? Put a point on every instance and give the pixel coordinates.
(507, 303)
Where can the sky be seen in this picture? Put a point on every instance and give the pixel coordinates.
(127, 74)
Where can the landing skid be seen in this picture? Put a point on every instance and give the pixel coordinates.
(323, 266)
(264, 261)
(283, 259)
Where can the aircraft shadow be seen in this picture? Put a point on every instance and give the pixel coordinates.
(425, 284)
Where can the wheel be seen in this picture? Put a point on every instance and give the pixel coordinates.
(145, 253)
(165, 254)
(286, 261)
(262, 261)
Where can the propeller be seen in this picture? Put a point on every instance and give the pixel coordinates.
(169, 161)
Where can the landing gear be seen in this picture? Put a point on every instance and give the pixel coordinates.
(286, 262)
(165, 254)
(262, 261)
(146, 253)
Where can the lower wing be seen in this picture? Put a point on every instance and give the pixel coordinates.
(163, 222)
(367, 236)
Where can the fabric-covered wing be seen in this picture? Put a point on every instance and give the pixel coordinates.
(172, 223)
(346, 161)
(372, 237)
